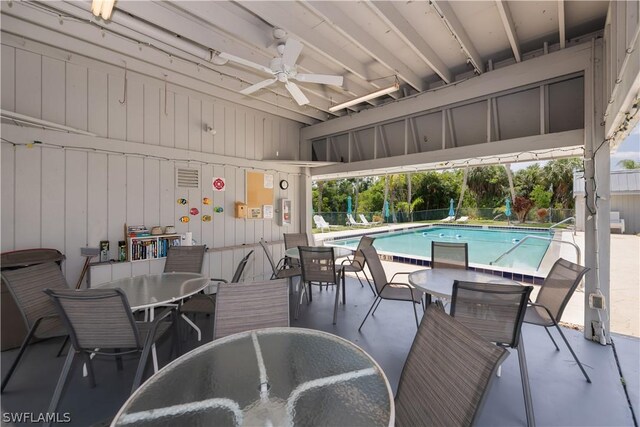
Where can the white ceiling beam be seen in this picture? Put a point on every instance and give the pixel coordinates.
(145, 61)
(451, 21)
(562, 24)
(509, 28)
(347, 27)
(573, 59)
(394, 19)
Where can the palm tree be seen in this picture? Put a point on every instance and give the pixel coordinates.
(629, 164)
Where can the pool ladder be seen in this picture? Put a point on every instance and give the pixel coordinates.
(525, 238)
(571, 218)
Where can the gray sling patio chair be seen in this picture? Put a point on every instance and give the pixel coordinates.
(254, 305)
(449, 255)
(40, 316)
(357, 263)
(293, 240)
(318, 268)
(495, 312)
(446, 375)
(555, 293)
(185, 259)
(99, 321)
(280, 270)
(386, 289)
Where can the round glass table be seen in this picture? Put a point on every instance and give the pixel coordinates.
(266, 377)
(438, 282)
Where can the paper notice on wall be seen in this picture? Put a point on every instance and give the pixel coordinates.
(267, 211)
(268, 180)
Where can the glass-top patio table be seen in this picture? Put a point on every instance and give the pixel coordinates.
(337, 252)
(266, 377)
(438, 282)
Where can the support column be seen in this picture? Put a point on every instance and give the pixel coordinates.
(306, 202)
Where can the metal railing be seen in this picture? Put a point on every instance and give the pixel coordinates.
(571, 218)
(525, 238)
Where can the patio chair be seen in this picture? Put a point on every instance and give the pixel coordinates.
(448, 219)
(247, 306)
(495, 312)
(318, 268)
(449, 255)
(98, 320)
(205, 303)
(294, 240)
(185, 259)
(280, 270)
(351, 222)
(386, 289)
(446, 375)
(357, 263)
(364, 220)
(555, 293)
(40, 316)
(322, 224)
(462, 219)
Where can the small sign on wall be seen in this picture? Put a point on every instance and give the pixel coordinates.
(218, 184)
(267, 211)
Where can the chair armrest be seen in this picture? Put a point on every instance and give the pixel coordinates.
(533, 304)
(154, 326)
(401, 272)
(214, 279)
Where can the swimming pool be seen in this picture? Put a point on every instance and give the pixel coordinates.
(485, 244)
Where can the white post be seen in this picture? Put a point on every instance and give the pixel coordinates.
(306, 202)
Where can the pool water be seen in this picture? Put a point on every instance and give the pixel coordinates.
(485, 245)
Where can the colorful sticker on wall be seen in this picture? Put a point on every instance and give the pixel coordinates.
(218, 209)
(194, 211)
(206, 218)
(182, 201)
(206, 201)
(184, 219)
(218, 184)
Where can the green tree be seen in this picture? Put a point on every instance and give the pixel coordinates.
(629, 164)
(541, 197)
(489, 185)
(525, 180)
(558, 177)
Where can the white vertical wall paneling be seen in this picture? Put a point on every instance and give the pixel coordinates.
(207, 191)
(76, 96)
(267, 138)
(8, 77)
(7, 186)
(75, 212)
(195, 201)
(195, 125)
(219, 219)
(259, 137)
(151, 192)
(28, 197)
(167, 194)
(218, 125)
(151, 114)
(241, 143)
(53, 90)
(135, 190)
(53, 198)
(117, 200)
(98, 106)
(135, 109)
(181, 125)
(28, 74)
(229, 199)
(250, 137)
(239, 224)
(181, 210)
(230, 131)
(215, 265)
(117, 111)
(207, 120)
(140, 268)
(167, 118)
(97, 202)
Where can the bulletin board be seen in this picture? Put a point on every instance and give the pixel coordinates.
(259, 194)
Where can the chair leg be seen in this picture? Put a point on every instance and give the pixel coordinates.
(118, 360)
(526, 389)
(415, 314)
(62, 381)
(64, 344)
(359, 280)
(87, 361)
(369, 282)
(572, 352)
(551, 336)
(368, 312)
(344, 294)
(375, 309)
(23, 347)
(301, 291)
(335, 305)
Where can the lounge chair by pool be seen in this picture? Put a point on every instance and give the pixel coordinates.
(364, 220)
(448, 219)
(322, 224)
(351, 222)
(462, 219)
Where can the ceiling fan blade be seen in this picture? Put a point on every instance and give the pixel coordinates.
(297, 94)
(291, 52)
(245, 62)
(257, 86)
(320, 78)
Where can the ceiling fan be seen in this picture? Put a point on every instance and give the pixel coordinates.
(283, 68)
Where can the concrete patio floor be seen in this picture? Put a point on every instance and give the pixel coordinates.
(561, 396)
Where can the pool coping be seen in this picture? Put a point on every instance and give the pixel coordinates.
(535, 278)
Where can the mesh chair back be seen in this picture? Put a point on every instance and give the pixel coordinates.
(246, 306)
(27, 257)
(492, 310)
(318, 264)
(375, 267)
(562, 281)
(237, 276)
(358, 257)
(27, 285)
(267, 252)
(448, 370)
(294, 240)
(449, 255)
(185, 259)
(97, 318)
